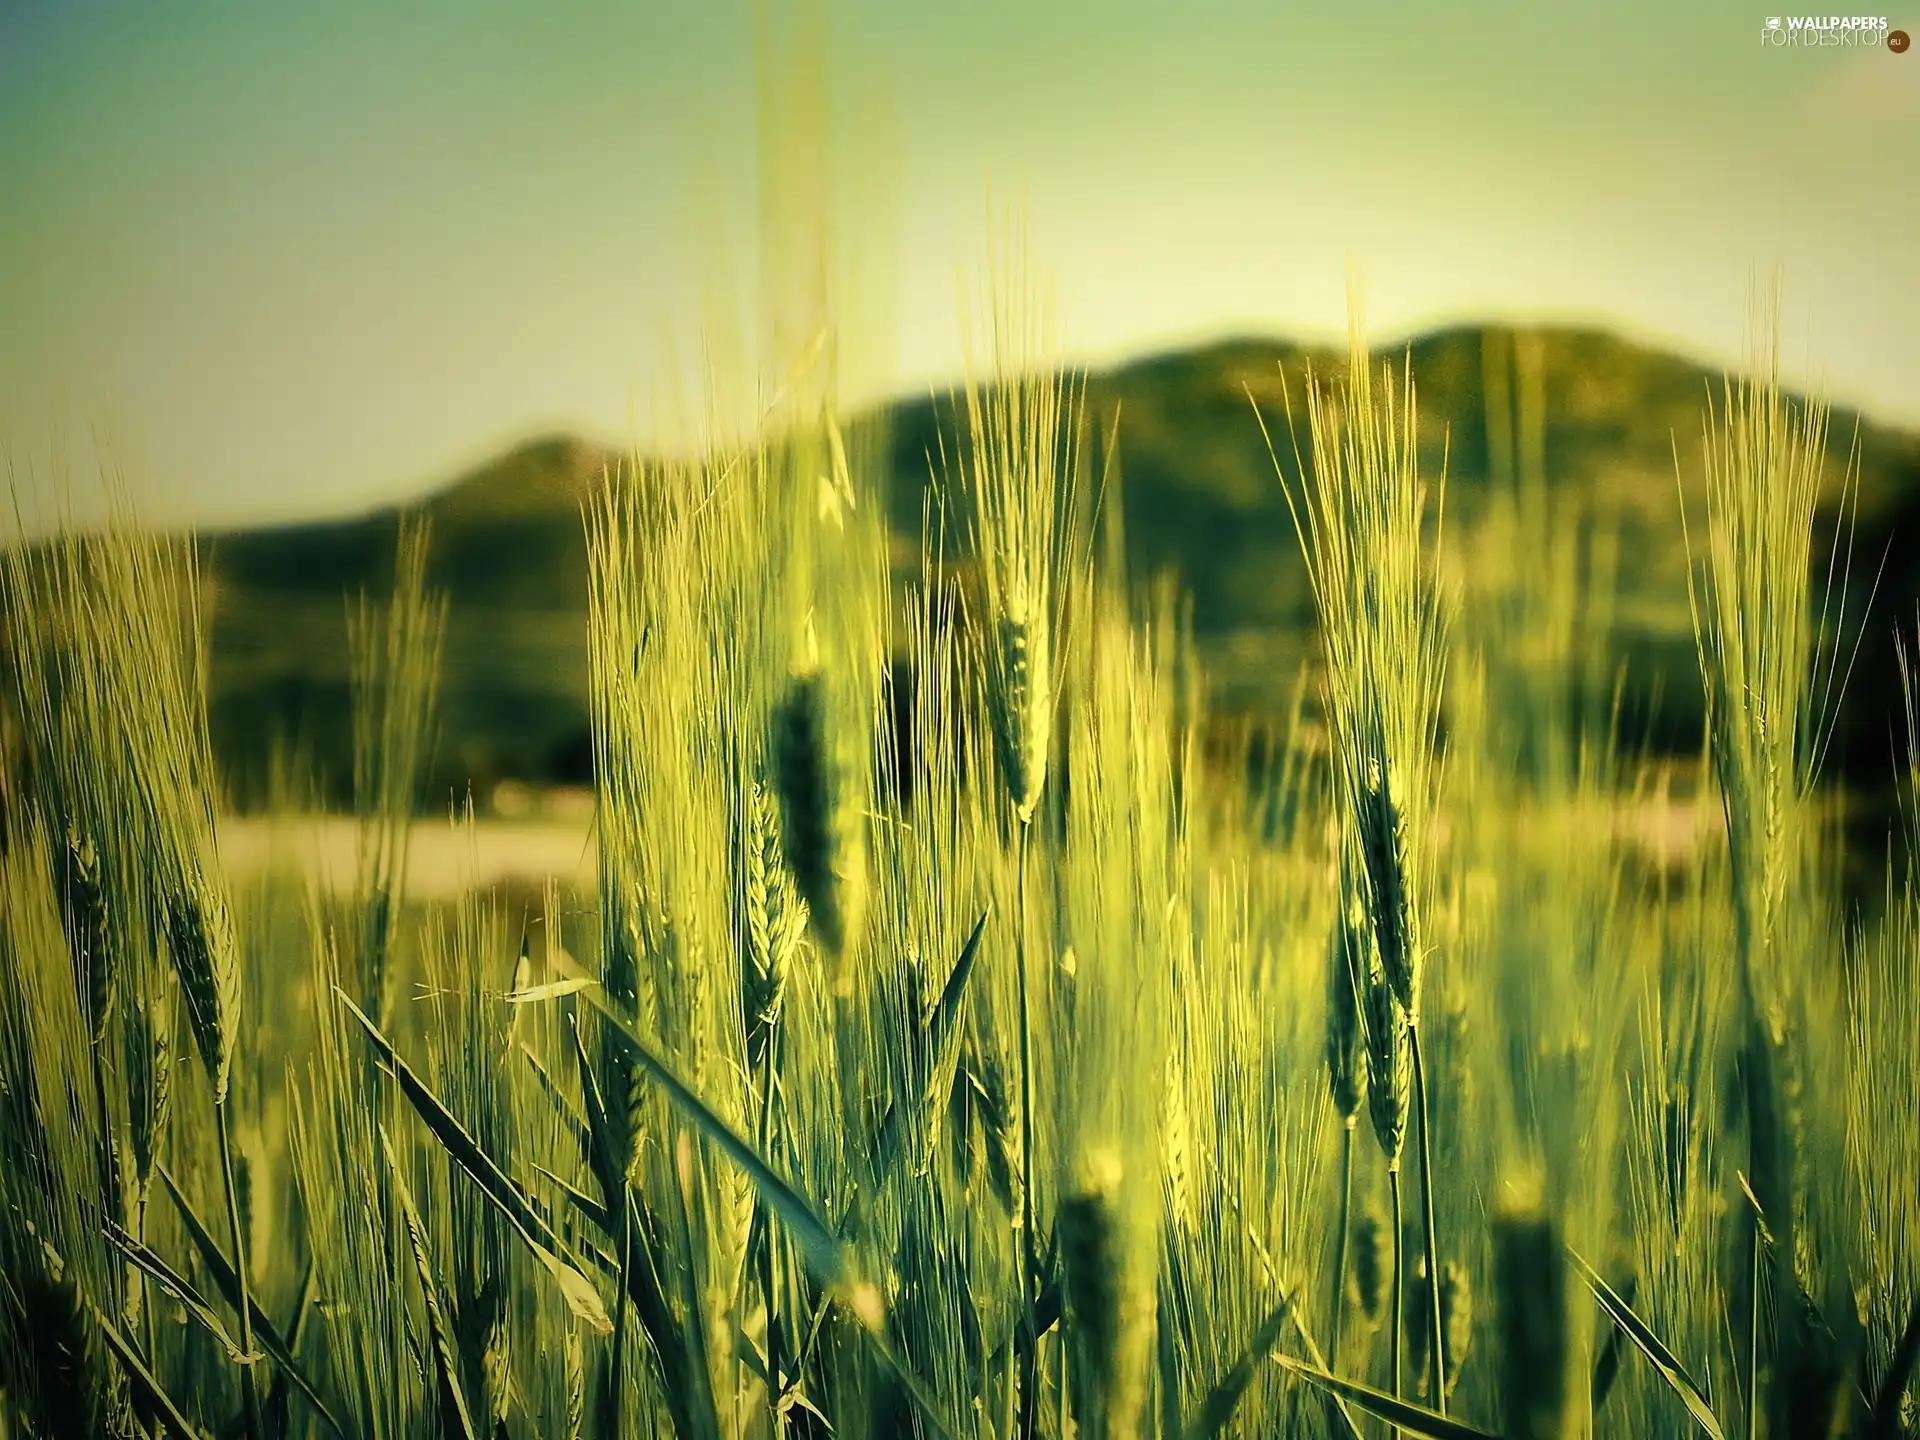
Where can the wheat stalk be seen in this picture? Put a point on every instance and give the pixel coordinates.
(1383, 626)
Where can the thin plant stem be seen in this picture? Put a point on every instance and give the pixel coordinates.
(1340, 1256)
(1753, 1336)
(1394, 1318)
(1340, 1246)
(148, 1337)
(768, 1238)
(610, 1419)
(249, 1392)
(1060, 1379)
(1029, 1336)
(110, 1195)
(1435, 1333)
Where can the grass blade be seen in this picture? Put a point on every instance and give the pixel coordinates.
(459, 1144)
(264, 1329)
(594, 1212)
(946, 1011)
(552, 990)
(1217, 1409)
(916, 1392)
(456, 1421)
(576, 1123)
(823, 1251)
(940, 1031)
(547, 1246)
(885, 1147)
(1663, 1359)
(576, 1289)
(278, 1403)
(178, 1288)
(1606, 1369)
(1413, 1419)
(142, 1380)
(644, 1286)
(1167, 1361)
(825, 1256)
(602, 1150)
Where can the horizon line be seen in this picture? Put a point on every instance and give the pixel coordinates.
(1796, 381)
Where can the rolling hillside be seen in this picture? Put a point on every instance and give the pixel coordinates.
(1600, 419)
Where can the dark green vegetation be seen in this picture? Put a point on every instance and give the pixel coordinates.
(1598, 418)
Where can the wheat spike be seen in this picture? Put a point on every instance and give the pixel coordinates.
(89, 938)
(822, 834)
(1109, 1313)
(1023, 455)
(1090, 1250)
(1381, 825)
(75, 1389)
(1348, 962)
(201, 939)
(1530, 1275)
(1025, 704)
(496, 1371)
(1367, 1278)
(1389, 1068)
(1176, 1145)
(149, 1068)
(776, 918)
(1416, 1308)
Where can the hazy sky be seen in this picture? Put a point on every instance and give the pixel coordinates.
(296, 259)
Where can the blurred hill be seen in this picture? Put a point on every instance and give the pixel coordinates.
(508, 547)
(1601, 419)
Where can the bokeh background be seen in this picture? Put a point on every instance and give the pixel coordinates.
(288, 269)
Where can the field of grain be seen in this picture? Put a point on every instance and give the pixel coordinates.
(930, 1027)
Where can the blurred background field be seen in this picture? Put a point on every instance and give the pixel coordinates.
(1604, 433)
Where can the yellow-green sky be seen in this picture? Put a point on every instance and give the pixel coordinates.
(296, 259)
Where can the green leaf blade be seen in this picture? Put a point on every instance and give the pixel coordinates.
(1413, 1419)
(1649, 1345)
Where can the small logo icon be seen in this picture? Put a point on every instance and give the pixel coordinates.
(1898, 41)
(1773, 22)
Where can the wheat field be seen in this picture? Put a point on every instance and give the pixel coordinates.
(954, 1035)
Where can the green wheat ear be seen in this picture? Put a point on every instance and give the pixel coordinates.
(1024, 711)
(1389, 1067)
(1021, 467)
(1103, 1296)
(89, 935)
(822, 831)
(1348, 963)
(1176, 1145)
(200, 937)
(775, 920)
(1089, 1245)
(76, 1390)
(149, 1072)
(1382, 828)
(1530, 1278)
(1369, 1270)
